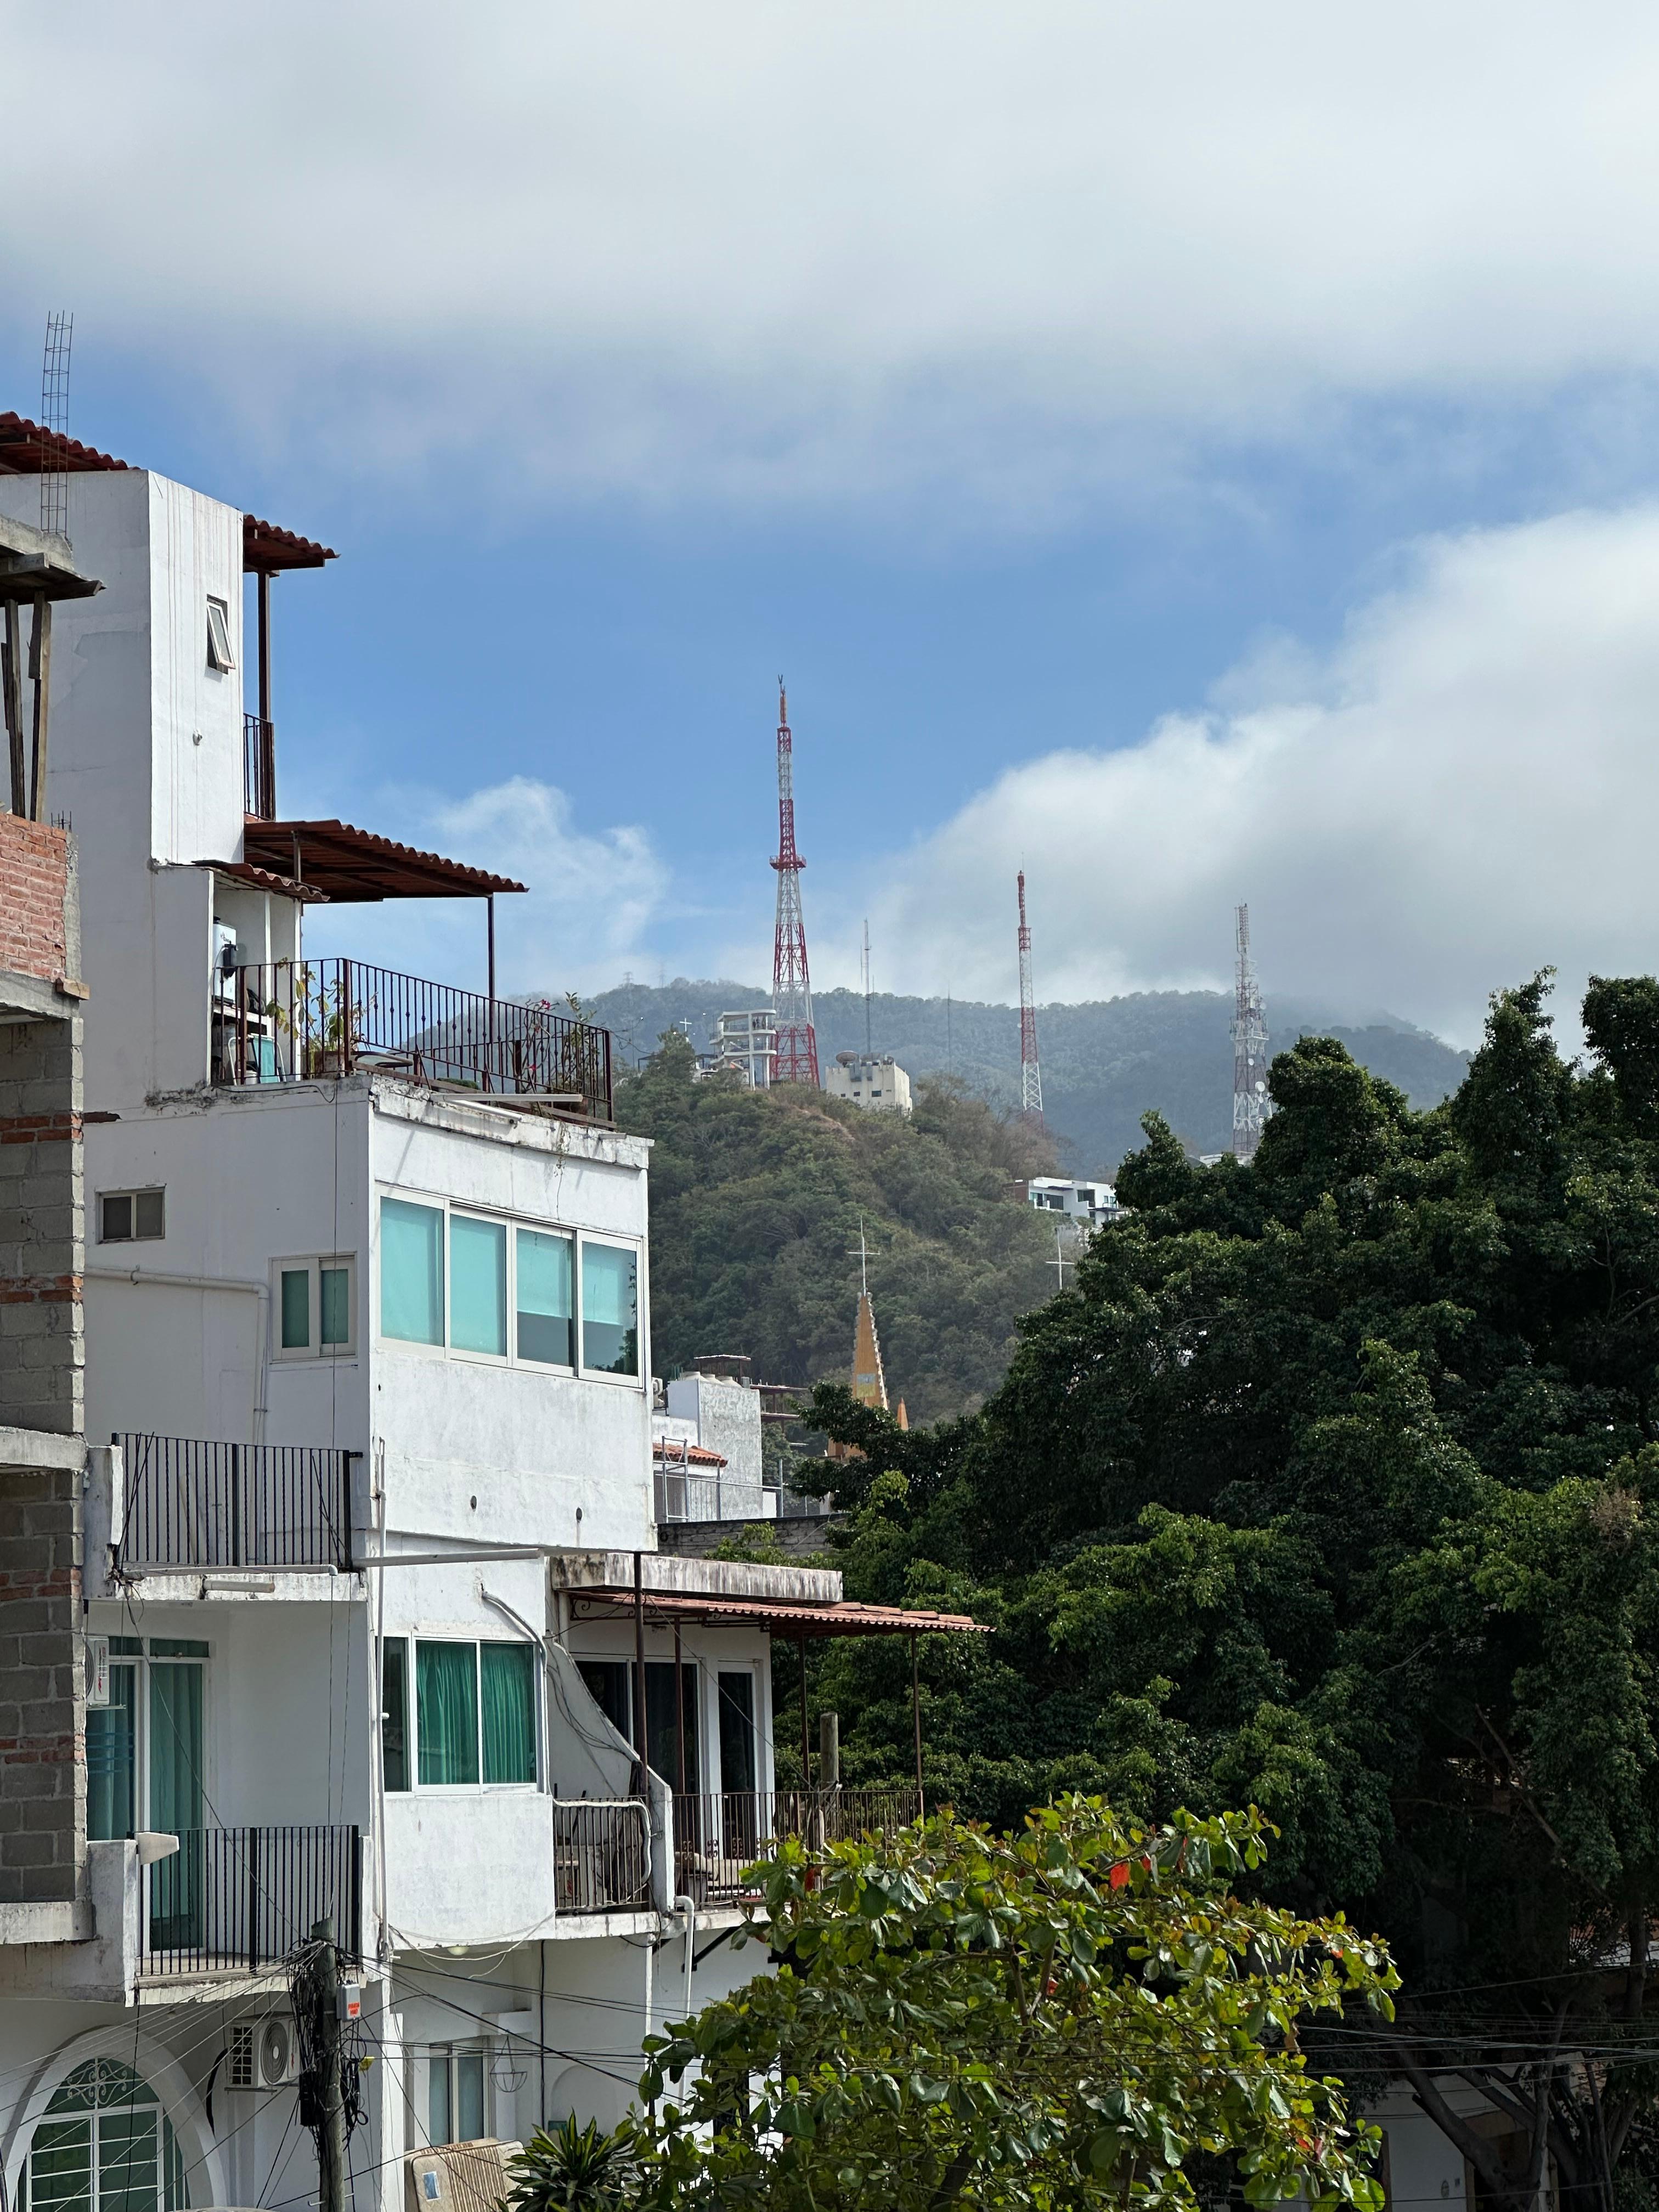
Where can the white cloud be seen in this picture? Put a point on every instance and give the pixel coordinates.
(1464, 790)
(771, 249)
(589, 898)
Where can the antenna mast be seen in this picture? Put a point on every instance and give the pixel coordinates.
(867, 1047)
(1031, 1075)
(1251, 1105)
(797, 1052)
(54, 417)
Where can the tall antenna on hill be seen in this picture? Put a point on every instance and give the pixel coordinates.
(867, 1046)
(1031, 1075)
(797, 1052)
(54, 418)
(1251, 1106)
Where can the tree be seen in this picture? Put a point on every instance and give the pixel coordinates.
(1083, 2013)
(1330, 1486)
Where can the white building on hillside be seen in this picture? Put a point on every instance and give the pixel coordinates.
(874, 1080)
(745, 1044)
(371, 1573)
(1084, 1204)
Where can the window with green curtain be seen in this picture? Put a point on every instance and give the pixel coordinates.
(477, 1285)
(412, 1272)
(447, 1711)
(507, 1679)
(468, 2096)
(610, 1320)
(111, 1763)
(440, 2128)
(296, 1308)
(546, 1307)
(175, 1800)
(334, 1303)
(394, 1712)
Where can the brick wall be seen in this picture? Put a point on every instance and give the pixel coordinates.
(43, 1716)
(34, 876)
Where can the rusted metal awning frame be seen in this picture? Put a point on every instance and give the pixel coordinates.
(353, 865)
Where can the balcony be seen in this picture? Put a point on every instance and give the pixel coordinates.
(307, 1021)
(233, 1901)
(193, 1504)
(258, 768)
(717, 1836)
(601, 1855)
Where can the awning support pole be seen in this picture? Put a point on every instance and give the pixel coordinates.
(915, 1714)
(640, 1745)
(806, 1741)
(262, 581)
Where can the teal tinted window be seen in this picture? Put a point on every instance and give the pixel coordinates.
(611, 1323)
(546, 1308)
(111, 1763)
(334, 1298)
(507, 1682)
(477, 1285)
(412, 1272)
(447, 1711)
(296, 1308)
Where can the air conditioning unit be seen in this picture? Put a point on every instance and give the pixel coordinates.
(264, 2054)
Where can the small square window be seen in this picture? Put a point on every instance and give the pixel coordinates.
(314, 1310)
(125, 1215)
(218, 643)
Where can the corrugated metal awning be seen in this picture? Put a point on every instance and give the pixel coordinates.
(776, 1616)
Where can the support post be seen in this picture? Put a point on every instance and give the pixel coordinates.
(40, 670)
(915, 1715)
(489, 1015)
(324, 1993)
(829, 1751)
(641, 1746)
(11, 684)
(263, 582)
(806, 1739)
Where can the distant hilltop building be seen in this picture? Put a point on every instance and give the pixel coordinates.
(873, 1080)
(1087, 1205)
(745, 1044)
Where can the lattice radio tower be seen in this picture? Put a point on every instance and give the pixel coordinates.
(1251, 1105)
(1031, 1075)
(797, 1060)
(54, 416)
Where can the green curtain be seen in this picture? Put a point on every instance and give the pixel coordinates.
(447, 1711)
(507, 1672)
(110, 1763)
(334, 1298)
(394, 1712)
(546, 1310)
(175, 1800)
(610, 1341)
(412, 1272)
(296, 1308)
(477, 1285)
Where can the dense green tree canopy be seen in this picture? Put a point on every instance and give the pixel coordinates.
(1332, 1486)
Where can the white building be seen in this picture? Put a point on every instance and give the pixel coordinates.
(1086, 1205)
(374, 1562)
(874, 1080)
(745, 1044)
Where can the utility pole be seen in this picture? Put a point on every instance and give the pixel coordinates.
(317, 1997)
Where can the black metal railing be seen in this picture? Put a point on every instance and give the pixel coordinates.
(232, 1898)
(258, 768)
(299, 1021)
(189, 1503)
(718, 1835)
(601, 1855)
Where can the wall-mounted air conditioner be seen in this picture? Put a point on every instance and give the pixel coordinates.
(264, 2054)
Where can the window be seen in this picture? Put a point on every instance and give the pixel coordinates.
(546, 1300)
(144, 1759)
(394, 1712)
(611, 1684)
(477, 1286)
(104, 2144)
(125, 1215)
(315, 1309)
(455, 2095)
(611, 1331)
(736, 1697)
(474, 1714)
(412, 1272)
(219, 654)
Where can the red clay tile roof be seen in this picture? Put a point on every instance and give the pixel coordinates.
(351, 864)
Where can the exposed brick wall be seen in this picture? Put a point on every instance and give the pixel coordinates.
(43, 1714)
(34, 875)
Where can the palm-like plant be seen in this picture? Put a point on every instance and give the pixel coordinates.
(574, 2169)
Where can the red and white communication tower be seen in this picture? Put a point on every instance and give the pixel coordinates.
(797, 1056)
(1031, 1075)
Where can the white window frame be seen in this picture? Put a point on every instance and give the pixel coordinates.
(412, 1640)
(313, 1264)
(577, 1238)
(140, 1663)
(221, 652)
(446, 2053)
(134, 1192)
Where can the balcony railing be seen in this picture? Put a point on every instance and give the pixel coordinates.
(717, 1836)
(193, 1503)
(687, 1493)
(297, 1022)
(601, 1855)
(242, 1897)
(258, 768)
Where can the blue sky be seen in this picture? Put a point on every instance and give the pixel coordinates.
(1201, 453)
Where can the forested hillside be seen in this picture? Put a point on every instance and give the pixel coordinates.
(1104, 1064)
(756, 1198)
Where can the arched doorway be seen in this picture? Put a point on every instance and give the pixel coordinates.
(104, 2143)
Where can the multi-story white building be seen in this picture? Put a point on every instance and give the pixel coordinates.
(1086, 1206)
(745, 1044)
(372, 1596)
(873, 1080)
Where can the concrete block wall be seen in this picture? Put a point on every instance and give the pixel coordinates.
(43, 1721)
(42, 1195)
